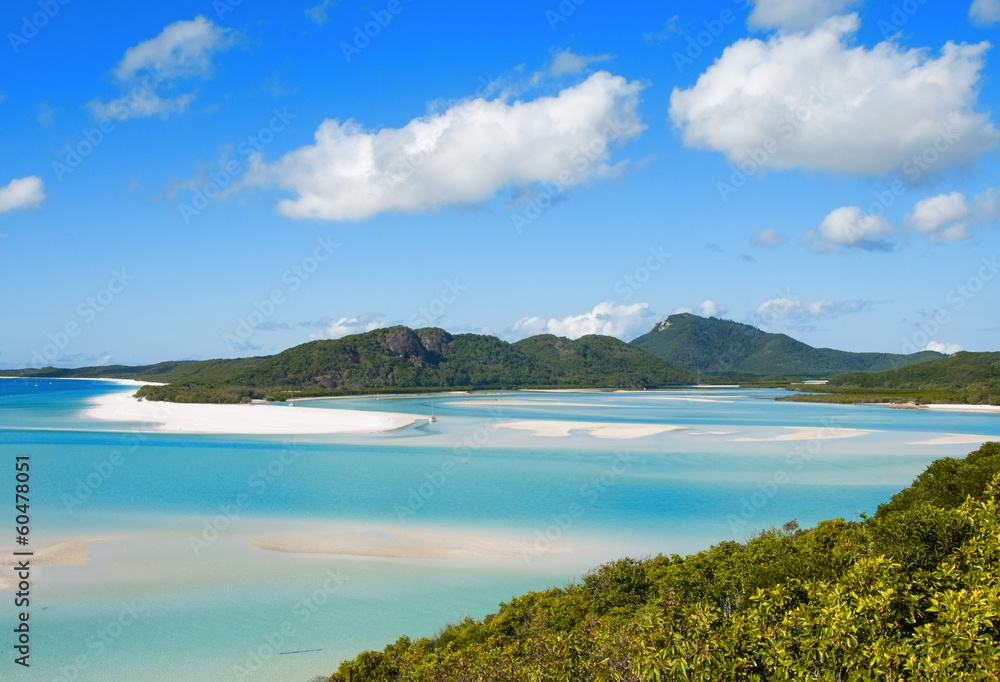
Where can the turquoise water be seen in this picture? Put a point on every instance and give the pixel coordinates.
(177, 594)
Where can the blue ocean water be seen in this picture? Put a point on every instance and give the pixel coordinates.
(185, 591)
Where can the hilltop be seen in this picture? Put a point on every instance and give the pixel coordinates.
(715, 347)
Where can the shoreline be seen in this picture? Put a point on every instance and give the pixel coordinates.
(959, 407)
(121, 382)
(252, 419)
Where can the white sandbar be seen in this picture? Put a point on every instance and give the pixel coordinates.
(956, 439)
(964, 408)
(806, 433)
(243, 419)
(553, 428)
(398, 544)
(73, 552)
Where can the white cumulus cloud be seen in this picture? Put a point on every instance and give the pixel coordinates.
(710, 308)
(946, 348)
(345, 326)
(22, 193)
(817, 101)
(567, 62)
(140, 104)
(462, 155)
(846, 228)
(609, 319)
(985, 12)
(796, 14)
(183, 49)
(784, 308)
(769, 238)
(950, 217)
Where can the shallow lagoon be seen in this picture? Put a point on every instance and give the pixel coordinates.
(514, 511)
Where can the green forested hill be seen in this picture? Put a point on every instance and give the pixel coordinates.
(912, 593)
(963, 371)
(969, 378)
(714, 347)
(400, 358)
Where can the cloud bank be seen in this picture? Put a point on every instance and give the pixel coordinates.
(813, 101)
(609, 319)
(462, 155)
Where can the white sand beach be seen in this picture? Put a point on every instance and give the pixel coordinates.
(552, 428)
(399, 544)
(964, 408)
(956, 439)
(805, 433)
(241, 419)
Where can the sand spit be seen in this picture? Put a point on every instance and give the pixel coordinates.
(242, 419)
(72, 552)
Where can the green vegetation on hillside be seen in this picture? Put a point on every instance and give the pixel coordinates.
(163, 372)
(717, 347)
(967, 378)
(912, 593)
(399, 359)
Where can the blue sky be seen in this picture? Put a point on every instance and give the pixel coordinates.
(201, 179)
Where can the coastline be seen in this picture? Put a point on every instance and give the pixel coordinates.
(121, 382)
(254, 419)
(958, 407)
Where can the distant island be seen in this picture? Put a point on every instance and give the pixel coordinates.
(963, 378)
(682, 350)
(399, 360)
